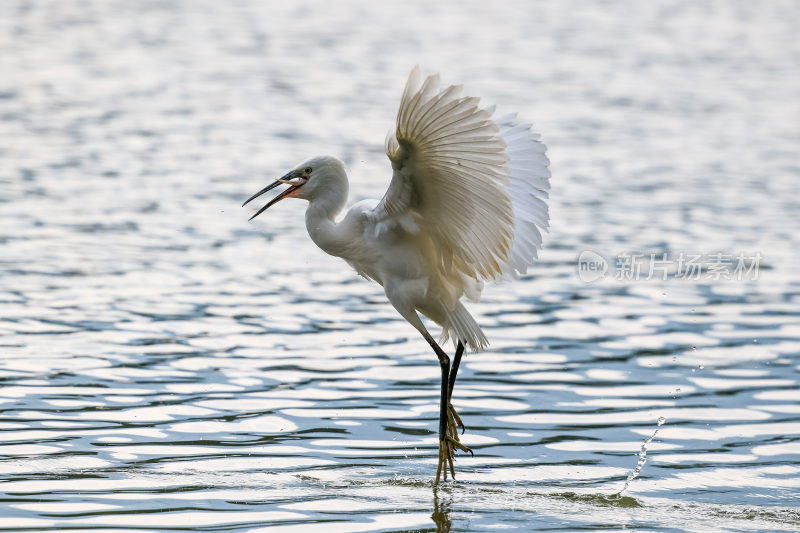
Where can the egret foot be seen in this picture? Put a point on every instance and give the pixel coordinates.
(447, 448)
(454, 419)
(449, 444)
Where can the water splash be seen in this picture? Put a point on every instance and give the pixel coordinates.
(642, 457)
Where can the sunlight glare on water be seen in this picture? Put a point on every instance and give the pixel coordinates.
(164, 364)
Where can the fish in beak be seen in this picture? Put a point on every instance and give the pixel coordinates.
(295, 178)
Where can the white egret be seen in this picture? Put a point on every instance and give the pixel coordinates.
(465, 205)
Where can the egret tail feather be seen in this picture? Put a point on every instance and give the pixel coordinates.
(460, 326)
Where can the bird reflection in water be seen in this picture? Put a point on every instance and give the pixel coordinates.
(441, 512)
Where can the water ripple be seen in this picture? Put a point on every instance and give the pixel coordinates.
(164, 364)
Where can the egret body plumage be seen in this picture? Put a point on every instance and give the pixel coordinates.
(466, 204)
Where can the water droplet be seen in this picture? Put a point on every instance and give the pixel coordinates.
(642, 457)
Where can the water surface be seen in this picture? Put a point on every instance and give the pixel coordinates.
(166, 365)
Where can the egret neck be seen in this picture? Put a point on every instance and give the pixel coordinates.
(321, 218)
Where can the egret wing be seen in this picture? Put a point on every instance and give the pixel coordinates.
(529, 185)
(450, 178)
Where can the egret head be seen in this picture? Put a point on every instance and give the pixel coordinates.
(309, 180)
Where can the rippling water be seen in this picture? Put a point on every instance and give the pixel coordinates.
(164, 364)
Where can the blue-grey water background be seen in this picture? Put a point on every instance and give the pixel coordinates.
(167, 365)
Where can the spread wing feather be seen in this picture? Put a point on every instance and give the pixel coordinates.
(471, 189)
(529, 183)
(451, 178)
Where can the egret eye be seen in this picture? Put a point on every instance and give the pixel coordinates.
(307, 170)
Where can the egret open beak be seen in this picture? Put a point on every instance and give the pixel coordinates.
(295, 178)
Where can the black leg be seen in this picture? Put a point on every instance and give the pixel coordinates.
(448, 418)
(452, 383)
(454, 369)
(444, 363)
(443, 402)
(445, 454)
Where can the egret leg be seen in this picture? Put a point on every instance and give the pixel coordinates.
(448, 436)
(456, 362)
(451, 382)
